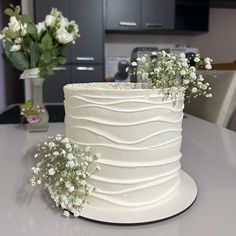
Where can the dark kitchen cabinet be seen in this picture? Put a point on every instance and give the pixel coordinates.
(123, 15)
(53, 85)
(192, 16)
(90, 46)
(87, 73)
(139, 15)
(158, 14)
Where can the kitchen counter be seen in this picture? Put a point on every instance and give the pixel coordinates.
(209, 156)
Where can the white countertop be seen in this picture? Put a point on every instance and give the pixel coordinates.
(209, 156)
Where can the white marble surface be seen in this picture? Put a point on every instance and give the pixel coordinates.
(209, 156)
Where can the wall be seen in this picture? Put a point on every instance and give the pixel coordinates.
(220, 42)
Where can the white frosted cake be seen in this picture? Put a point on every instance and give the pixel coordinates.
(138, 133)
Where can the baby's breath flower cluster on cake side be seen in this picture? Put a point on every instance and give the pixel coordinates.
(173, 74)
(27, 45)
(63, 169)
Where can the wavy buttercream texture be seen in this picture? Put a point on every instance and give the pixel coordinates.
(138, 133)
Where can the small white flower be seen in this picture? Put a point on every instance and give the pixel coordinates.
(15, 48)
(39, 181)
(56, 153)
(186, 81)
(36, 170)
(33, 183)
(182, 55)
(70, 156)
(63, 152)
(51, 144)
(208, 66)
(66, 213)
(51, 171)
(143, 59)
(194, 90)
(67, 184)
(65, 140)
(207, 60)
(183, 72)
(193, 75)
(196, 59)
(71, 164)
(68, 146)
(71, 189)
(154, 53)
(83, 182)
(134, 63)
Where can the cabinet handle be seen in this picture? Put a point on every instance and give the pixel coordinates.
(85, 68)
(59, 68)
(126, 23)
(154, 25)
(85, 58)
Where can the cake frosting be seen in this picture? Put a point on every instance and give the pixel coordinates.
(138, 133)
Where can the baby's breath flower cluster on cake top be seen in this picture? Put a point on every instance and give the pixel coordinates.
(173, 73)
(63, 169)
(27, 45)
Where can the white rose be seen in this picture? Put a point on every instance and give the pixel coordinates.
(15, 48)
(64, 22)
(14, 24)
(63, 36)
(40, 27)
(24, 29)
(49, 20)
(2, 36)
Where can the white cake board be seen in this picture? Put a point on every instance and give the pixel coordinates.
(181, 201)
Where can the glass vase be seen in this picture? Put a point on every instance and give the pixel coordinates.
(37, 96)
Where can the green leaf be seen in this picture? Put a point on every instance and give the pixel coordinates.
(32, 30)
(19, 60)
(34, 55)
(61, 60)
(9, 12)
(46, 42)
(25, 19)
(27, 105)
(46, 57)
(7, 48)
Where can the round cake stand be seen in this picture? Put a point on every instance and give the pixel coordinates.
(184, 197)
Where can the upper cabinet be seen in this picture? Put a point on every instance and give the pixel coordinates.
(139, 15)
(123, 15)
(89, 15)
(153, 16)
(158, 14)
(192, 16)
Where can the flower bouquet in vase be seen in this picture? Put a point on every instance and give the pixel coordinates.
(36, 49)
